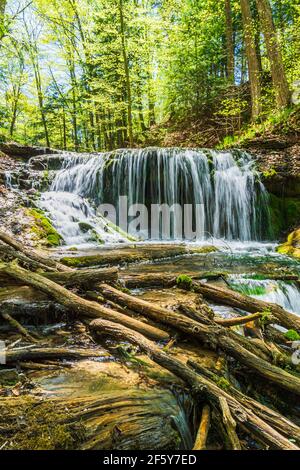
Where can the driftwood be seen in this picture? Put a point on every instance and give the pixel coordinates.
(31, 354)
(78, 305)
(83, 277)
(272, 417)
(231, 343)
(17, 326)
(8, 253)
(200, 385)
(244, 302)
(32, 254)
(132, 280)
(200, 441)
(230, 424)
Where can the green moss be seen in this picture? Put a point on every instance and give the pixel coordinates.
(223, 383)
(184, 281)
(269, 173)
(205, 249)
(292, 246)
(292, 335)
(42, 427)
(85, 227)
(44, 229)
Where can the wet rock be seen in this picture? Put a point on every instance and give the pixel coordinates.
(14, 149)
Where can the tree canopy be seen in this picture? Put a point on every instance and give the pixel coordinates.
(102, 74)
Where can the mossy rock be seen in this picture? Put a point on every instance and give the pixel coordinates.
(292, 246)
(43, 228)
(205, 249)
(85, 227)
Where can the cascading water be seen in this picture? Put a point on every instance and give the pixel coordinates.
(285, 294)
(224, 186)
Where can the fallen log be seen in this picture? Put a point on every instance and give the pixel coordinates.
(245, 302)
(76, 304)
(85, 278)
(32, 254)
(200, 385)
(230, 424)
(272, 417)
(200, 442)
(17, 326)
(29, 354)
(8, 253)
(242, 349)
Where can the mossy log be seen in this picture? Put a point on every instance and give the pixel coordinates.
(229, 297)
(242, 349)
(8, 253)
(32, 254)
(76, 304)
(200, 385)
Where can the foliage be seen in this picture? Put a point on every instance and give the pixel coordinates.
(105, 74)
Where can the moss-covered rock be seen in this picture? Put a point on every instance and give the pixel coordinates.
(205, 249)
(43, 228)
(292, 246)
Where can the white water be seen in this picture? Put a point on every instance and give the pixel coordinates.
(285, 294)
(232, 200)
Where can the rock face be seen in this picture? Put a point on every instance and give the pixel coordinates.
(25, 151)
(281, 168)
(292, 246)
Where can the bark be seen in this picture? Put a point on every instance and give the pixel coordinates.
(244, 302)
(51, 353)
(17, 326)
(200, 442)
(32, 254)
(242, 349)
(230, 424)
(272, 417)
(253, 65)
(229, 41)
(274, 54)
(78, 305)
(200, 385)
(8, 253)
(127, 74)
(84, 278)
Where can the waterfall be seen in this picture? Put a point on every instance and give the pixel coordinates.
(225, 189)
(285, 294)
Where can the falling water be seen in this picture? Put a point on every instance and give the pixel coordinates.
(224, 185)
(285, 294)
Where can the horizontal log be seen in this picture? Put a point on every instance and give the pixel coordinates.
(83, 277)
(51, 353)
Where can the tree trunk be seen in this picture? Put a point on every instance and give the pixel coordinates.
(200, 442)
(274, 54)
(127, 75)
(229, 42)
(253, 65)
